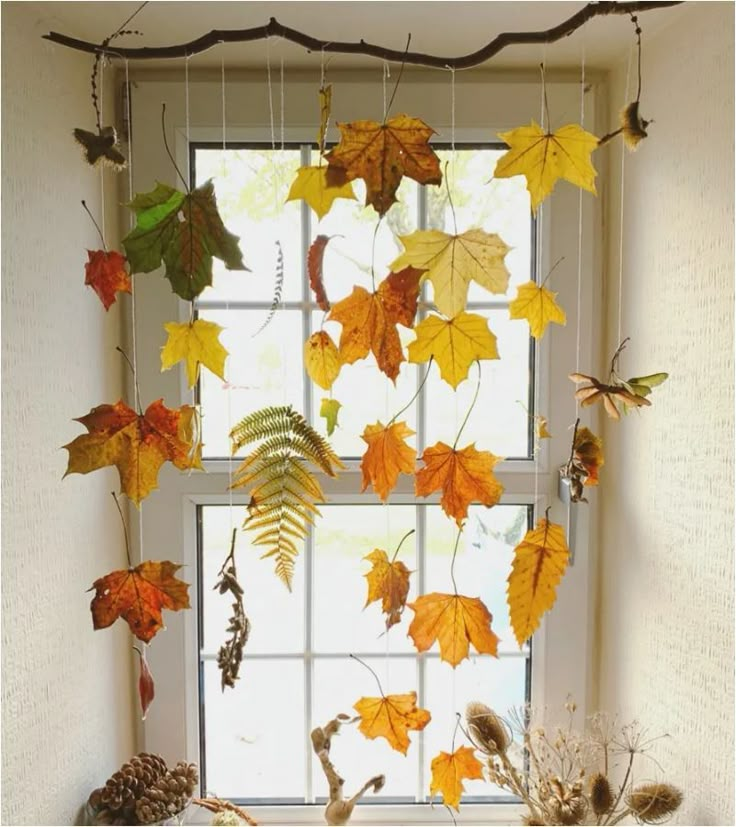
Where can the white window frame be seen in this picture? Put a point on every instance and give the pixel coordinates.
(562, 647)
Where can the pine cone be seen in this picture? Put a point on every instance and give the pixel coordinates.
(125, 786)
(169, 795)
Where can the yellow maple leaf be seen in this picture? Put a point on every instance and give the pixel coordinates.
(386, 457)
(537, 305)
(448, 772)
(382, 153)
(197, 344)
(321, 359)
(319, 187)
(540, 560)
(544, 157)
(456, 622)
(390, 717)
(388, 581)
(453, 261)
(464, 477)
(454, 343)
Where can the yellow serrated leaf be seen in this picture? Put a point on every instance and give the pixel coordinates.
(544, 157)
(453, 261)
(537, 305)
(196, 344)
(328, 410)
(319, 187)
(448, 772)
(321, 359)
(454, 343)
(540, 560)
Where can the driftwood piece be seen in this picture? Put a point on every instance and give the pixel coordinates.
(339, 809)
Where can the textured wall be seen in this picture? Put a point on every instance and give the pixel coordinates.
(667, 542)
(67, 713)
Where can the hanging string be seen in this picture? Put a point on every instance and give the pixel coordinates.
(186, 116)
(452, 113)
(102, 166)
(281, 90)
(578, 320)
(386, 76)
(621, 215)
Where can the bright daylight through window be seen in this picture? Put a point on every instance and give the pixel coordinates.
(297, 671)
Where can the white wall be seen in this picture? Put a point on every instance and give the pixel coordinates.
(67, 705)
(666, 577)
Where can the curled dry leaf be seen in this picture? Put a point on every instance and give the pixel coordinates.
(369, 320)
(319, 187)
(388, 581)
(588, 452)
(391, 717)
(453, 261)
(611, 395)
(137, 445)
(545, 157)
(454, 343)
(537, 305)
(194, 343)
(386, 457)
(183, 231)
(322, 359)
(455, 622)
(138, 595)
(105, 273)
(382, 153)
(325, 109)
(540, 427)
(449, 770)
(315, 257)
(463, 476)
(540, 561)
(146, 687)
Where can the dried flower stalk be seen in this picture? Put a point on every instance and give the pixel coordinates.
(231, 652)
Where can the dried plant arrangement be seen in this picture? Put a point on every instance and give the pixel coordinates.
(563, 776)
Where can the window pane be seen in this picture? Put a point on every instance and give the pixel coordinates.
(265, 369)
(366, 394)
(344, 535)
(498, 683)
(251, 186)
(496, 205)
(276, 616)
(483, 559)
(499, 422)
(340, 683)
(255, 735)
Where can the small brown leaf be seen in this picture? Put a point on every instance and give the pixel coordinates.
(314, 268)
(146, 688)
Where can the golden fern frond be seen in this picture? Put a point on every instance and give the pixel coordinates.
(283, 488)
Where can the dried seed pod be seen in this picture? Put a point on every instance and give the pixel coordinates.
(601, 795)
(653, 803)
(486, 728)
(633, 126)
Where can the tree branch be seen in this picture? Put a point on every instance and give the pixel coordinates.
(312, 44)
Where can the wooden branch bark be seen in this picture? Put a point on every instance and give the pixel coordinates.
(312, 44)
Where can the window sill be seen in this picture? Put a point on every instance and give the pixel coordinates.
(377, 814)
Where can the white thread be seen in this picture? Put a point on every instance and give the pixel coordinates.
(452, 114)
(580, 237)
(621, 215)
(539, 260)
(186, 115)
(282, 106)
(102, 166)
(386, 76)
(322, 69)
(270, 93)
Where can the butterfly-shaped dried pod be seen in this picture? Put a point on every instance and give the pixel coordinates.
(101, 147)
(230, 654)
(611, 395)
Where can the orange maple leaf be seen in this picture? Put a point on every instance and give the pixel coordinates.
(138, 595)
(390, 717)
(464, 477)
(136, 444)
(388, 581)
(448, 772)
(386, 457)
(382, 153)
(369, 320)
(105, 273)
(540, 560)
(455, 621)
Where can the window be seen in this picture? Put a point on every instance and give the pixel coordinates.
(296, 665)
(297, 674)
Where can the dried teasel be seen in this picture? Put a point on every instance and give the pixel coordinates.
(601, 794)
(633, 126)
(653, 803)
(487, 730)
(231, 652)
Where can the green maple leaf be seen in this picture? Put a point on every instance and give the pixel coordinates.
(185, 232)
